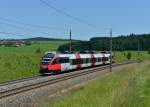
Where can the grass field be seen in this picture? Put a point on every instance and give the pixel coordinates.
(19, 62)
(121, 56)
(44, 46)
(129, 87)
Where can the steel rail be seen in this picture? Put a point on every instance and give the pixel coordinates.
(19, 80)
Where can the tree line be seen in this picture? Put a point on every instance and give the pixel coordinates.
(120, 43)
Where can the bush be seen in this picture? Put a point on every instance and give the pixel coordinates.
(38, 50)
(8, 44)
(28, 43)
(124, 53)
(149, 51)
(129, 56)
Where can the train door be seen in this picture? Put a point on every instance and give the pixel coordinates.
(65, 65)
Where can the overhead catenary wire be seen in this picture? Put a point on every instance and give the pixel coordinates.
(14, 26)
(27, 27)
(23, 28)
(8, 22)
(18, 26)
(10, 33)
(30, 25)
(67, 14)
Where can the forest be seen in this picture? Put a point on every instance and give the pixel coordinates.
(120, 43)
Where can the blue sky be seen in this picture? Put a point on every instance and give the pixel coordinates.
(123, 16)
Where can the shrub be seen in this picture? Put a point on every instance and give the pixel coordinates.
(129, 56)
(149, 51)
(28, 43)
(124, 53)
(8, 44)
(38, 50)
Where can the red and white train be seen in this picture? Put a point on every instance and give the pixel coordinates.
(59, 62)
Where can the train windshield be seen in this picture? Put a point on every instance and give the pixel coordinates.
(47, 58)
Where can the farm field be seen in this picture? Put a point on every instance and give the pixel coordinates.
(128, 87)
(20, 62)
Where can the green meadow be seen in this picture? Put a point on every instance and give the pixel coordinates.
(20, 62)
(121, 56)
(44, 46)
(128, 87)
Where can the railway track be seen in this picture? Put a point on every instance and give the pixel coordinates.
(11, 92)
(19, 80)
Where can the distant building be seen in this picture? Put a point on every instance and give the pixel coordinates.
(14, 43)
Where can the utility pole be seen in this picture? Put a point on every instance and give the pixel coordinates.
(138, 51)
(110, 49)
(70, 40)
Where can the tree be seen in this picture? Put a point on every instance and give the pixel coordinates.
(120, 43)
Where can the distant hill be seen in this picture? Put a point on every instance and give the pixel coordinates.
(38, 39)
(43, 39)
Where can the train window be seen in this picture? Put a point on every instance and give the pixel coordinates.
(99, 59)
(46, 59)
(74, 62)
(96, 59)
(84, 60)
(48, 55)
(45, 62)
(77, 61)
(61, 60)
(81, 61)
(104, 58)
(87, 60)
(55, 61)
(107, 58)
(64, 60)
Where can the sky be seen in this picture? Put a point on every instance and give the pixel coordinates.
(37, 19)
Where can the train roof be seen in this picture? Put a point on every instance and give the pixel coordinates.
(68, 53)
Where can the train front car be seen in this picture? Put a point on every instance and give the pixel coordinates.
(46, 63)
(54, 62)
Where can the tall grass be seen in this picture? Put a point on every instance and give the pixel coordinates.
(128, 87)
(14, 66)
